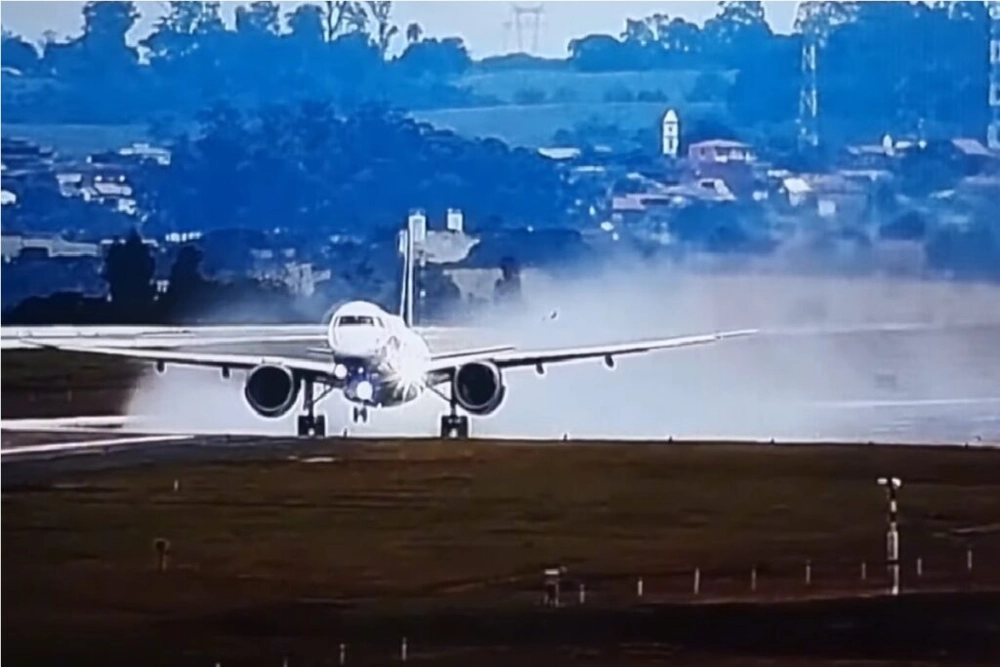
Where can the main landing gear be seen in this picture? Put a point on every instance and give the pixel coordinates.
(310, 424)
(360, 414)
(453, 425)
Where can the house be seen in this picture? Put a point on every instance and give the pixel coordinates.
(837, 195)
(796, 189)
(15, 246)
(720, 151)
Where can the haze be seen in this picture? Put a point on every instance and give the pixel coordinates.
(749, 388)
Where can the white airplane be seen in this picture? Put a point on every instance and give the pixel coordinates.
(379, 361)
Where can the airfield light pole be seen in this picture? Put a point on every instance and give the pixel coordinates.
(891, 485)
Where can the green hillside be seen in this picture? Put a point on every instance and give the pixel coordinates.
(568, 99)
(534, 125)
(572, 86)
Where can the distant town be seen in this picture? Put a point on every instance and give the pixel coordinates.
(286, 186)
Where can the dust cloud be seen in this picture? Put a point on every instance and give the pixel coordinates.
(859, 359)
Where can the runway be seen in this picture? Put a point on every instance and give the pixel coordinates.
(889, 383)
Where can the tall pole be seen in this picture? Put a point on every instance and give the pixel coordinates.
(993, 129)
(891, 485)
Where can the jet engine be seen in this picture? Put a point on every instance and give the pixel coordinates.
(478, 387)
(271, 390)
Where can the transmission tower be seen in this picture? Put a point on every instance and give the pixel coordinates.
(993, 130)
(808, 120)
(527, 17)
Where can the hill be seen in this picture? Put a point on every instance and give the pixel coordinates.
(561, 99)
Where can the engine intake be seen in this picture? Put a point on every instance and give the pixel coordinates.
(478, 387)
(271, 390)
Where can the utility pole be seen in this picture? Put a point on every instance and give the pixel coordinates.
(892, 485)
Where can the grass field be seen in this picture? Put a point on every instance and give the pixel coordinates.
(573, 98)
(535, 124)
(401, 528)
(674, 85)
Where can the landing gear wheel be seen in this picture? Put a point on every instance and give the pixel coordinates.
(454, 427)
(360, 414)
(309, 423)
(311, 426)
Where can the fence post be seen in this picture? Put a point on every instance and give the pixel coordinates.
(583, 593)
(753, 579)
(920, 567)
(343, 653)
(968, 559)
(638, 587)
(402, 650)
(864, 570)
(809, 572)
(697, 580)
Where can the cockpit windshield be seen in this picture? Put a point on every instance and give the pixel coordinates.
(358, 320)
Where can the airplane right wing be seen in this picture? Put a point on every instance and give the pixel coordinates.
(513, 358)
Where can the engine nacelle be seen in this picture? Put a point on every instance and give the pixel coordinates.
(478, 387)
(271, 390)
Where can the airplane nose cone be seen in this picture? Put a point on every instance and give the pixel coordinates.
(355, 343)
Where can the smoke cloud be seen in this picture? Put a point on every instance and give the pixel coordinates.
(837, 358)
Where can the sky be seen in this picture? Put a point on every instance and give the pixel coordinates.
(485, 25)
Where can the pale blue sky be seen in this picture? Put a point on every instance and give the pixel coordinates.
(480, 23)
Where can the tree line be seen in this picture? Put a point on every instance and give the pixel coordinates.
(337, 51)
(932, 70)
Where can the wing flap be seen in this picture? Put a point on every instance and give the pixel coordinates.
(210, 359)
(517, 358)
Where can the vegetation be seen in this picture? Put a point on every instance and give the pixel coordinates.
(462, 526)
(339, 51)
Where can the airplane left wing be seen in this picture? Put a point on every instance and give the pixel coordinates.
(518, 358)
(309, 367)
(150, 341)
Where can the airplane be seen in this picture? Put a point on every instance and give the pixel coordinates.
(378, 360)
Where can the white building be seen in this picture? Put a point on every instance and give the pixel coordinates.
(671, 134)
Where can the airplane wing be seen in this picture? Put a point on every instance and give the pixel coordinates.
(514, 358)
(312, 367)
(171, 341)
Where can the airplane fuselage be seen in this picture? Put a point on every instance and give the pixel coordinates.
(378, 360)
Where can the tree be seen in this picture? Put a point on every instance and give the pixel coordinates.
(414, 32)
(638, 32)
(443, 58)
(186, 286)
(384, 29)
(737, 30)
(18, 54)
(105, 25)
(260, 18)
(507, 288)
(183, 29)
(128, 270)
(306, 23)
(679, 36)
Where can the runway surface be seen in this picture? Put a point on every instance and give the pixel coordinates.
(887, 383)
